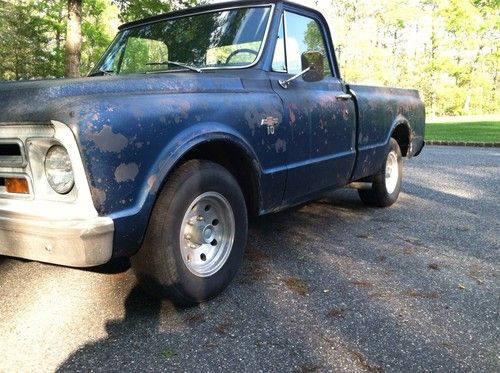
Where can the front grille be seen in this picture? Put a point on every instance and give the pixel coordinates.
(11, 154)
(15, 158)
(10, 150)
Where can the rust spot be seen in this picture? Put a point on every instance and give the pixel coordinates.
(345, 114)
(99, 196)
(280, 146)
(151, 181)
(293, 118)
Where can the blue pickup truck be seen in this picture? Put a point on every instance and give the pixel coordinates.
(191, 122)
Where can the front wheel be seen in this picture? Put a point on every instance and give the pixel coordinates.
(196, 237)
(386, 184)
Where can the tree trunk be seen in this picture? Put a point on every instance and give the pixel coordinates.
(74, 39)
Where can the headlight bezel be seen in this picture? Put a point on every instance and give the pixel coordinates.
(65, 187)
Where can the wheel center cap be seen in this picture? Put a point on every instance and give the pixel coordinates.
(208, 233)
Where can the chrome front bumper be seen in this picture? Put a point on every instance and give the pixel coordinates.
(74, 243)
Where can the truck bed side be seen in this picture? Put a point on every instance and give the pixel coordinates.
(382, 113)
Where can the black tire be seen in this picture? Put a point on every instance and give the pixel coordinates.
(379, 196)
(159, 265)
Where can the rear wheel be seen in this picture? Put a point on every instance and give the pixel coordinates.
(196, 237)
(386, 184)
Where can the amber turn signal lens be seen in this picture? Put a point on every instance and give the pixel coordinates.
(17, 185)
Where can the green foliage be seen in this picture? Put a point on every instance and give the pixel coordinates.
(131, 10)
(313, 38)
(24, 43)
(448, 49)
(32, 32)
(96, 35)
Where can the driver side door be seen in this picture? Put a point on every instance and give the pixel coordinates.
(321, 117)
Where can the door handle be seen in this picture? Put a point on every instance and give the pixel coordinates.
(344, 96)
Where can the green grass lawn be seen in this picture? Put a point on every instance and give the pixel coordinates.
(467, 131)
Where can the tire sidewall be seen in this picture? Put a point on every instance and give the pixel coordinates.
(391, 197)
(206, 179)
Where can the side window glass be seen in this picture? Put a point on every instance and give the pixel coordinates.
(279, 63)
(303, 34)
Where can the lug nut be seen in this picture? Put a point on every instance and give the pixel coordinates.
(200, 218)
(192, 246)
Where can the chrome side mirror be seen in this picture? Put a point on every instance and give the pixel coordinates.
(313, 69)
(315, 62)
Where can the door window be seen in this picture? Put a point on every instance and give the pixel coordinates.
(298, 34)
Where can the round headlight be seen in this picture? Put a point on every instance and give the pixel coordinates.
(58, 170)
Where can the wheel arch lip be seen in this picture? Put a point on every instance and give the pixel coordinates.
(401, 120)
(196, 136)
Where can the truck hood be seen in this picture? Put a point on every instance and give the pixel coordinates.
(60, 99)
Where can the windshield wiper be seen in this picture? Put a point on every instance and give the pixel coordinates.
(102, 72)
(174, 63)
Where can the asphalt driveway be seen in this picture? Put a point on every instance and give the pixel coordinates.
(331, 286)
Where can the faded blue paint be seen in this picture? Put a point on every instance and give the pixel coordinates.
(132, 130)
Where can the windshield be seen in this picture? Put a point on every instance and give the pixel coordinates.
(221, 39)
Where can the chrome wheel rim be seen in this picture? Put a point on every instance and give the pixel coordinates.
(391, 172)
(207, 234)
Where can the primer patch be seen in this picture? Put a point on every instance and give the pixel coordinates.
(108, 141)
(126, 172)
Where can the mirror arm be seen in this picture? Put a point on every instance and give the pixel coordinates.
(286, 83)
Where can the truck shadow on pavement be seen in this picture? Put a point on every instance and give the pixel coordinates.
(318, 291)
(124, 338)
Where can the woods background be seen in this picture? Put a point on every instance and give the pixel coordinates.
(448, 49)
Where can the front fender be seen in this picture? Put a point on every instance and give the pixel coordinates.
(131, 223)
(189, 139)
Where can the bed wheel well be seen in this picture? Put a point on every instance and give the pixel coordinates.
(402, 135)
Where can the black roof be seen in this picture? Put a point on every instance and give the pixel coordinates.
(205, 8)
